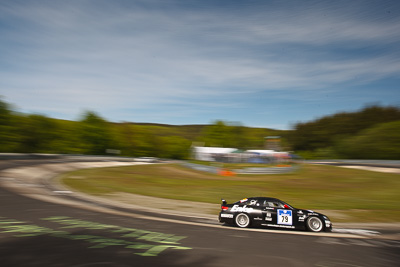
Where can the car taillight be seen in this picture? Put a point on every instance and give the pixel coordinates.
(224, 208)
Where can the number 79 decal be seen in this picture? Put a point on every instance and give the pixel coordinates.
(285, 217)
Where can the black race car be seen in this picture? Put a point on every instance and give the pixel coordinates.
(272, 212)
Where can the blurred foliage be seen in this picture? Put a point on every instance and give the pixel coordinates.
(8, 136)
(234, 135)
(95, 134)
(370, 133)
(380, 142)
(36, 134)
(345, 135)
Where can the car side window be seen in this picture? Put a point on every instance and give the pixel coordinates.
(272, 204)
(268, 204)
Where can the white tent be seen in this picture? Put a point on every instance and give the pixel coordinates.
(262, 152)
(270, 153)
(206, 153)
(224, 154)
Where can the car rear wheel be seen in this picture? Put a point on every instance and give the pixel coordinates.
(242, 220)
(314, 224)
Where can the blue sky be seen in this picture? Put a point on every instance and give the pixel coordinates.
(259, 63)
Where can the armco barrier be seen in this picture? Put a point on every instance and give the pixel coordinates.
(199, 167)
(269, 170)
(23, 156)
(260, 170)
(63, 157)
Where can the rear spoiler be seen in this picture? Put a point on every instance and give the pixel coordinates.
(223, 202)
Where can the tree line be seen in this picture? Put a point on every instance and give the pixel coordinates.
(373, 132)
(93, 135)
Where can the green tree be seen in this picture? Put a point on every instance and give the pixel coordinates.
(144, 141)
(325, 132)
(67, 140)
(95, 134)
(37, 134)
(8, 136)
(220, 134)
(174, 147)
(123, 136)
(379, 142)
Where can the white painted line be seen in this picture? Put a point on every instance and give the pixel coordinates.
(63, 192)
(356, 231)
(374, 169)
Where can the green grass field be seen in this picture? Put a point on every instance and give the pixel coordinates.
(343, 194)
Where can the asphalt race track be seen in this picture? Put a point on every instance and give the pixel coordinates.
(34, 232)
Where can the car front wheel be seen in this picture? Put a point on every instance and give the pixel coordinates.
(314, 224)
(242, 220)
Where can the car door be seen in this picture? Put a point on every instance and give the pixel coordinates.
(278, 215)
(269, 212)
(286, 216)
(256, 211)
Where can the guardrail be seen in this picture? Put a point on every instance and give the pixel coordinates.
(63, 157)
(258, 170)
(199, 167)
(268, 170)
(360, 162)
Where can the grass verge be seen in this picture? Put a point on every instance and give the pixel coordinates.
(351, 195)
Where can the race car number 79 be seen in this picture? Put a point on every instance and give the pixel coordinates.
(285, 217)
